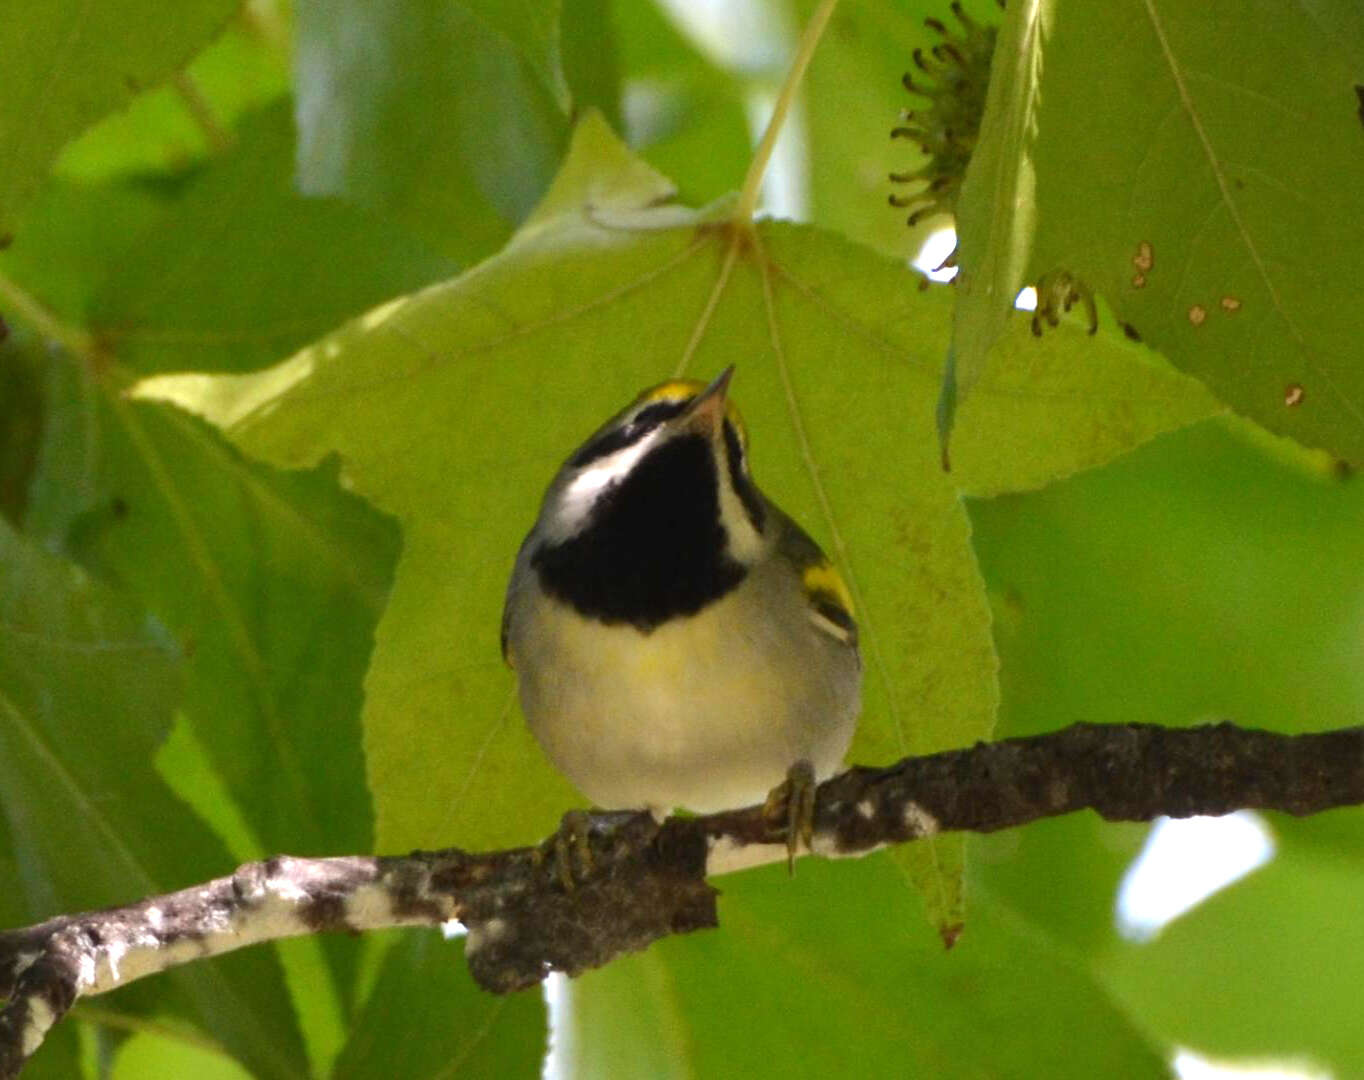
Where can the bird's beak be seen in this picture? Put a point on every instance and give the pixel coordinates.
(707, 411)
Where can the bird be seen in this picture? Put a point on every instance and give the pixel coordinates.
(678, 640)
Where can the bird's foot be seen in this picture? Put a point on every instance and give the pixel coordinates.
(568, 853)
(790, 807)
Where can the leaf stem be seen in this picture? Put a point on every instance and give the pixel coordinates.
(757, 169)
(32, 311)
(219, 139)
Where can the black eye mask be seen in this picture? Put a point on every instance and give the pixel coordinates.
(643, 422)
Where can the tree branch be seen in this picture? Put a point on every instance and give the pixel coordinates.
(619, 881)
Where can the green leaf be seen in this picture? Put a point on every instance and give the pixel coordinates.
(427, 1018)
(1239, 589)
(1261, 970)
(64, 70)
(87, 684)
(1046, 408)
(996, 215)
(242, 269)
(530, 29)
(171, 129)
(442, 742)
(835, 972)
(430, 113)
(270, 582)
(152, 1054)
(557, 318)
(591, 58)
(1190, 170)
(72, 236)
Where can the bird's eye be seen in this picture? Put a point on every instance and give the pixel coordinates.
(628, 433)
(651, 416)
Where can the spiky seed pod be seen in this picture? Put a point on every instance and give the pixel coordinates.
(953, 78)
(956, 75)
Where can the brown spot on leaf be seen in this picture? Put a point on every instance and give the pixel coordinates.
(1198, 314)
(1130, 331)
(1138, 281)
(1145, 258)
(950, 933)
(1359, 93)
(1231, 304)
(5, 240)
(1293, 394)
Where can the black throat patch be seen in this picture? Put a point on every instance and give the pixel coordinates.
(655, 548)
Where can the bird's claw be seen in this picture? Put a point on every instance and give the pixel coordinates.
(790, 806)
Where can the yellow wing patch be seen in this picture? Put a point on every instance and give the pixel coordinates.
(831, 607)
(823, 577)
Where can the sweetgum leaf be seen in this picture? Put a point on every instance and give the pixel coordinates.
(270, 582)
(451, 410)
(1197, 171)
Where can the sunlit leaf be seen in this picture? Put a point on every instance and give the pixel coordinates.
(558, 317)
(177, 126)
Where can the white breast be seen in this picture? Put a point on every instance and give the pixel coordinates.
(706, 712)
